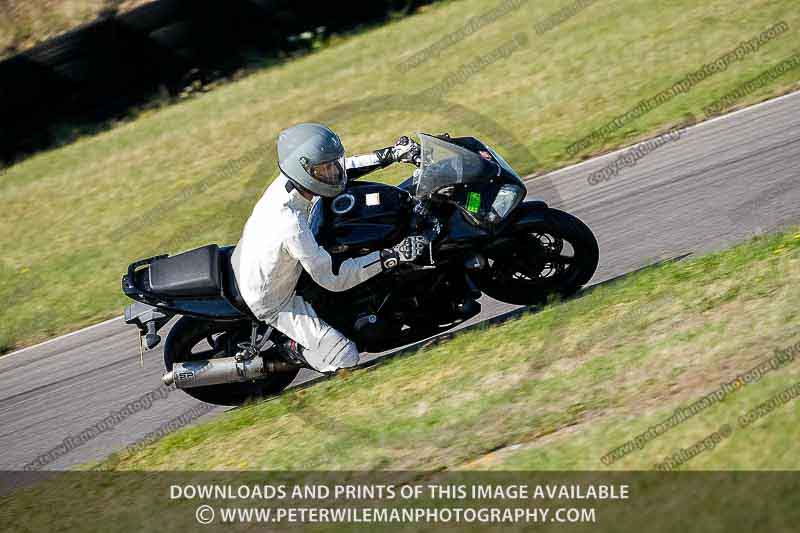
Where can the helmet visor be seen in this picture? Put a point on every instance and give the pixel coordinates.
(331, 172)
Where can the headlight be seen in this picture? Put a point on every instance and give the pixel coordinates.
(508, 197)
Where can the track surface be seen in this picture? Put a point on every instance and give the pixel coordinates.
(721, 182)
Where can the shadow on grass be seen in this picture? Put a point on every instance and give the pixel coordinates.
(406, 351)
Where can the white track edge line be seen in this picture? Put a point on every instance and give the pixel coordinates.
(60, 337)
(527, 179)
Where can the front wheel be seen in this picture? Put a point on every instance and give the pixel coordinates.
(556, 255)
(194, 339)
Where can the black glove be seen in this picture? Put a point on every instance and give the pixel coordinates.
(405, 150)
(409, 249)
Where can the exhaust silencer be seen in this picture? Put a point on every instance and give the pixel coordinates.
(220, 371)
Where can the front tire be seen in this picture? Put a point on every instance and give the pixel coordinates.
(186, 341)
(536, 262)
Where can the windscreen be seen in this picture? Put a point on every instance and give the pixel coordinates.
(444, 164)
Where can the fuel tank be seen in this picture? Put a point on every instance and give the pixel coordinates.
(366, 217)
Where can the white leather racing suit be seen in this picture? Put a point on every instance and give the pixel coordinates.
(277, 244)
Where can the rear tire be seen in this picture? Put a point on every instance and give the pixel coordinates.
(188, 332)
(534, 266)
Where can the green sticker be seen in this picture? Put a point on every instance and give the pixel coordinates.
(473, 202)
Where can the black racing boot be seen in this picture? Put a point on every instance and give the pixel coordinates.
(293, 352)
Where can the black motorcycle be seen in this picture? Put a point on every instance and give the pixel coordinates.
(464, 197)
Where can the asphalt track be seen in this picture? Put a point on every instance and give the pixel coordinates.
(719, 183)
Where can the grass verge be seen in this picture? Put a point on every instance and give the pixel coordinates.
(555, 390)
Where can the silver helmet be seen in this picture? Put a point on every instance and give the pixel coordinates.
(312, 156)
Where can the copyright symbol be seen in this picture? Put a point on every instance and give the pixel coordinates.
(204, 514)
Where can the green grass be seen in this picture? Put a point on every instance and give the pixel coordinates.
(555, 390)
(73, 218)
(24, 24)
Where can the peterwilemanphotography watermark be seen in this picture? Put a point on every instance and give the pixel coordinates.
(114, 418)
(473, 25)
(710, 442)
(142, 403)
(173, 424)
(684, 455)
(683, 86)
(763, 409)
(781, 358)
(752, 85)
(562, 15)
(468, 70)
(630, 157)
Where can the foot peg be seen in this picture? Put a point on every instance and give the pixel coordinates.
(246, 352)
(249, 350)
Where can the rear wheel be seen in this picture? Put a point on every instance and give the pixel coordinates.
(194, 339)
(556, 256)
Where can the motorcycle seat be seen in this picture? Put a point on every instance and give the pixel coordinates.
(232, 293)
(195, 273)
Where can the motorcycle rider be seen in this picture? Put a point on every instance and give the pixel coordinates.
(277, 242)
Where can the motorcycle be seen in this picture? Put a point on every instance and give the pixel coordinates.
(484, 238)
